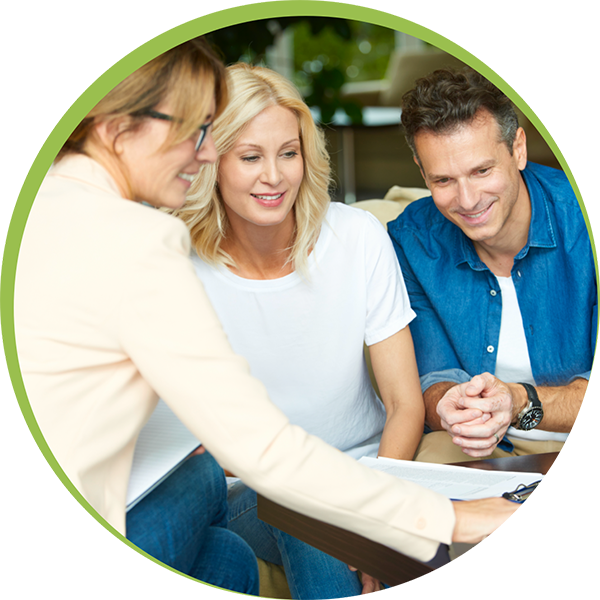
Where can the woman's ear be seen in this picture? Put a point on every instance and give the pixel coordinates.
(109, 133)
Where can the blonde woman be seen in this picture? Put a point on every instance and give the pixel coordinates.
(300, 284)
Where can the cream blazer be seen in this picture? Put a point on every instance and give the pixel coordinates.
(110, 316)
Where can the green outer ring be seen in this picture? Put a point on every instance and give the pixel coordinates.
(164, 41)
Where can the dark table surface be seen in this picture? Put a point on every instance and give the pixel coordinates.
(366, 555)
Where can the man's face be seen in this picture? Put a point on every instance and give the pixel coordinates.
(474, 180)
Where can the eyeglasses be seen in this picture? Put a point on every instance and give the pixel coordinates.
(153, 114)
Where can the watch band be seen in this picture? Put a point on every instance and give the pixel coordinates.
(533, 413)
(532, 394)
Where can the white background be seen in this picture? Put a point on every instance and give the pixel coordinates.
(42, 554)
(555, 556)
(556, 50)
(557, 46)
(46, 54)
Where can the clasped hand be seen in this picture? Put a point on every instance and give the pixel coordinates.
(476, 414)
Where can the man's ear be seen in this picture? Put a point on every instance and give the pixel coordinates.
(420, 169)
(520, 149)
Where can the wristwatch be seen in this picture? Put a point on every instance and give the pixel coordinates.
(533, 413)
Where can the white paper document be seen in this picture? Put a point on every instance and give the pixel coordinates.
(457, 483)
(162, 445)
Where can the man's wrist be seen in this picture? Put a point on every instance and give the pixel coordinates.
(519, 400)
(432, 397)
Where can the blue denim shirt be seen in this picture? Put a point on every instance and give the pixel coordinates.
(458, 301)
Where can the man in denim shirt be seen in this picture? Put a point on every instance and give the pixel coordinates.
(499, 269)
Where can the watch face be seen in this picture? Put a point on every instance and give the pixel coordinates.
(531, 419)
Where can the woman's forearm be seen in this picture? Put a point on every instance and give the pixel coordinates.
(395, 370)
(402, 433)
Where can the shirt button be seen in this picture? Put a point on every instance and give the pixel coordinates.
(490, 349)
(493, 292)
(421, 523)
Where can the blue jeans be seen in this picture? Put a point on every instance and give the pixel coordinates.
(183, 523)
(310, 573)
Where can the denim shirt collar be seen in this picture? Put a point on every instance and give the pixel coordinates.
(541, 229)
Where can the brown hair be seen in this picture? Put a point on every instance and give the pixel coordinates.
(446, 99)
(186, 75)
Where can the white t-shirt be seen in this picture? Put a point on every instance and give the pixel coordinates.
(304, 338)
(512, 363)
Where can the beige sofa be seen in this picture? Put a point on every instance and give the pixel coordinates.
(393, 203)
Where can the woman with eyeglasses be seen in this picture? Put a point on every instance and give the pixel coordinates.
(110, 316)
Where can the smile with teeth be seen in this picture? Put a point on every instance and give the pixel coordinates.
(265, 197)
(187, 176)
(474, 216)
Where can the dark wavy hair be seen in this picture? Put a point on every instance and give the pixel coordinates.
(446, 99)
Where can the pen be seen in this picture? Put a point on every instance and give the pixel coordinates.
(521, 493)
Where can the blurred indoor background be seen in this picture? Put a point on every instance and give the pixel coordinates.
(352, 75)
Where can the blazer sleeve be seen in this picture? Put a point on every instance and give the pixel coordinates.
(170, 331)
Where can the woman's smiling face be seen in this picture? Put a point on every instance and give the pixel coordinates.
(162, 177)
(260, 176)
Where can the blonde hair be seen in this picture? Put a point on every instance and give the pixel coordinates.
(188, 76)
(252, 90)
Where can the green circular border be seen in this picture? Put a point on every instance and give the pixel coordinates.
(86, 100)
